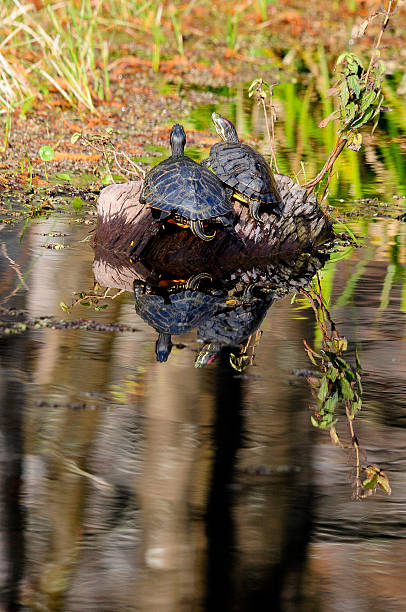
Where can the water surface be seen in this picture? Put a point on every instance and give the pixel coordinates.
(129, 484)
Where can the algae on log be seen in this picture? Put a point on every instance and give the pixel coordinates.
(127, 227)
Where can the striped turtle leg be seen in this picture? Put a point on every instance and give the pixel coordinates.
(254, 208)
(197, 228)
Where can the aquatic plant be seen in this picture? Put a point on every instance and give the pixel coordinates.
(46, 153)
(339, 386)
(102, 143)
(359, 97)
(260, 89)
(92, 298)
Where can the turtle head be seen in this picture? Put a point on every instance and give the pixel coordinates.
(163, 347)
(178, 140)
(139, 288)
(207, 355)
(224, 128)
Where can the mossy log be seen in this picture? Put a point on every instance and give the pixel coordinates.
(127, 228)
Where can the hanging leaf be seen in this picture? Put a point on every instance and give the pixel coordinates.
(323, 391)
(356, 406)
(359, 384)
(368, 97)
(375, 477)
(365, 117)
(357, 361)
(349, 375)
(314, 422)
(364, 24)
(378, 107)
(354, 84)
(370, 483)
(331, 403)
(383, 482)
(350, 111)
(344, 92)
(332, 373)
(334, 436)
(333, 91)
(340, 344)
(380, 68)
(354, 141)
(346, 391)
(331, 117)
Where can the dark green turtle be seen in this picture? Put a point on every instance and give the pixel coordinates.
(186, 191)
(231, 328)
(175, 313)
(242, 168)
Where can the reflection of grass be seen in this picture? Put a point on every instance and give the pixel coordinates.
(353, 280)
(301, 143)
(403, 296)
(387, 286)
(339, 387)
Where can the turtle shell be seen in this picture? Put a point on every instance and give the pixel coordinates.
(186, 310)
(233, 327)
(245, 170)
(186, 188)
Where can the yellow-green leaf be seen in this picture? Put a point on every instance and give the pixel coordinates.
(368, 97)
(354, 84)
(346, 390)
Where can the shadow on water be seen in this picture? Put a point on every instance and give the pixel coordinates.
(12, 395)
(220, 529)
(276, 577)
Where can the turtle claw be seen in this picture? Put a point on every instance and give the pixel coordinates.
(254, 208)
(197, 229)
(193, 282)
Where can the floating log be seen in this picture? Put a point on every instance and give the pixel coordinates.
(127, 227)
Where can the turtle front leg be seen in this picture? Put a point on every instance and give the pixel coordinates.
(254, 208)
(197, 228)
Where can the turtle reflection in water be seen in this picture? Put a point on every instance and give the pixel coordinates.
(185, 192)
(233, 329)
(243, 169)
(177, 312)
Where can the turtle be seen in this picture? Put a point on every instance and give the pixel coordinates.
(232, 328)
(243, 169)
(188, 192)
(175, 313)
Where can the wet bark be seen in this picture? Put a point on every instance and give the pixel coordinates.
(127, 228)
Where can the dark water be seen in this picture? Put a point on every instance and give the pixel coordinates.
(129, 484)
